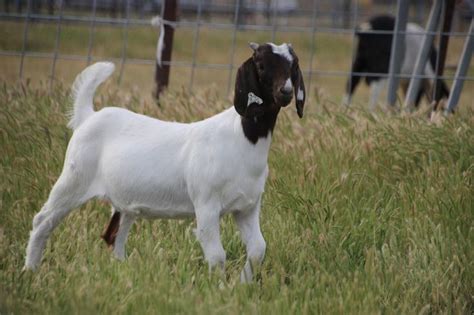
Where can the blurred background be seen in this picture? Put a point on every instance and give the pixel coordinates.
(50, 41)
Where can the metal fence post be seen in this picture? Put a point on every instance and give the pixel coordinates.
(162, 69)
(461, 70)
(423, 54)
(442, 49)
(398, 51)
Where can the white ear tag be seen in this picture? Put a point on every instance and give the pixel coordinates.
(252, 98)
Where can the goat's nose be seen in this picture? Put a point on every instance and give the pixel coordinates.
(286, 90)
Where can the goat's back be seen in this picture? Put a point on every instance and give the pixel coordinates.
(130, 159)
(161, 169)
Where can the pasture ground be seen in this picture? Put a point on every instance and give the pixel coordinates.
(363, 213)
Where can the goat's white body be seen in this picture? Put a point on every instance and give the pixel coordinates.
(150, 168)
(160, 169)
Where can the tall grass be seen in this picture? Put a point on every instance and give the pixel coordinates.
(362, 214)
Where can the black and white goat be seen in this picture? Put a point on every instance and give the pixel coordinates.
(156, 169)
(373, 56)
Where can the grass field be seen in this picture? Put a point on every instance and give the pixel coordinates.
(363, 213)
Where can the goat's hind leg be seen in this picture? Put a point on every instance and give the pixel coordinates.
(117, 231)
(66, 195)
(121, 238)
(112, 228)
(376, 88)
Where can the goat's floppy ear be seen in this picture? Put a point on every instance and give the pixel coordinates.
(300, 93)
(247, 91)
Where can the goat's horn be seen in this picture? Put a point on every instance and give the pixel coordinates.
(253, 45)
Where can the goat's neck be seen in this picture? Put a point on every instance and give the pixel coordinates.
(259, 127)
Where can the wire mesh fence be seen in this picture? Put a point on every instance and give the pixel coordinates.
(211, 36)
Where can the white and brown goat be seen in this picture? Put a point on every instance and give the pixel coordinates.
(151, 168)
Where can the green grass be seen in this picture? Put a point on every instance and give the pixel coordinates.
(362, 214)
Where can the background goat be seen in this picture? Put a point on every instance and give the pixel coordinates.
(373, 56)
(155, 169)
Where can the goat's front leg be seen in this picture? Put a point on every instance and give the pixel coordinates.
(208, 235)
(376, 88)
(249, 226)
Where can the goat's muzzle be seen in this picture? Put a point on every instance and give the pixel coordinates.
(284, 94)
(284, 99)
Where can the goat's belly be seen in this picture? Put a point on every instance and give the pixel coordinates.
(155, 210)
(161, 213)
(151, 201)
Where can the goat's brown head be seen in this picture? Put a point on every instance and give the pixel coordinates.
(267, 81)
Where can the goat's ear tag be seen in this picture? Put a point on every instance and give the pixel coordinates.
(252, 98)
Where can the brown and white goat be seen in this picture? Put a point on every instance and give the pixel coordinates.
(155, 169)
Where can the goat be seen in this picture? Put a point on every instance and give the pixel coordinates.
(373, 56)
(150, 168)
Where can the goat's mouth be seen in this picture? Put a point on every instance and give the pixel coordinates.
(283, 100)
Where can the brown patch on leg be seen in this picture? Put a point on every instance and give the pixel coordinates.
(110, 232)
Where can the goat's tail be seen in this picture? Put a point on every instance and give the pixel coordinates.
(83, 91)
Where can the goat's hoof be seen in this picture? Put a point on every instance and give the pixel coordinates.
(245, 278)
(221, 285)
(28, 269)
(120, 257)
